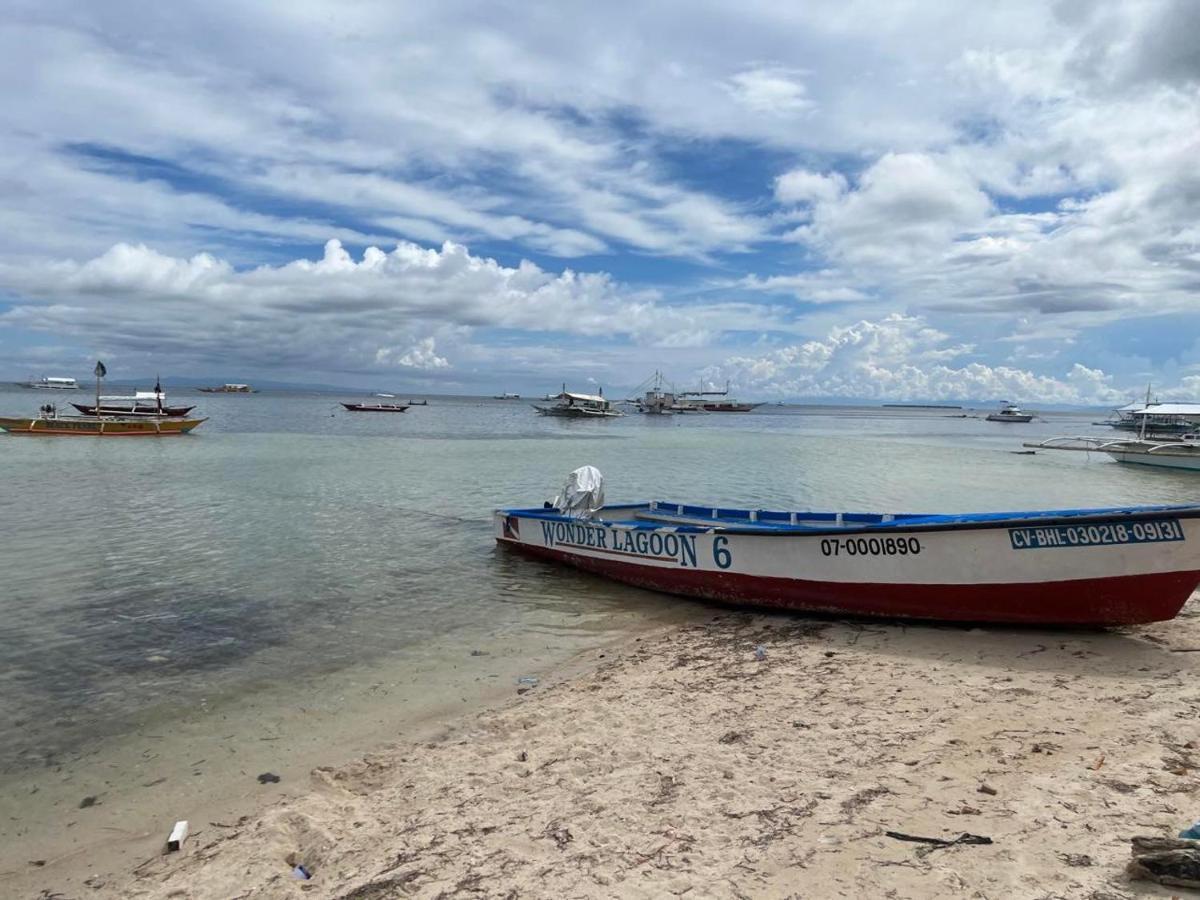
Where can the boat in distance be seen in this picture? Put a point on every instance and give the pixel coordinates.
(132, 406)
(376, 407)
(228, 389)
(52, 384)
(1073, 567)
(1010, 412)
(569, 405)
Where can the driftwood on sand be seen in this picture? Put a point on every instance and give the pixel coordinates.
(1165, 860)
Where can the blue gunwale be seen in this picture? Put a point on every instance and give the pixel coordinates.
(775, 522)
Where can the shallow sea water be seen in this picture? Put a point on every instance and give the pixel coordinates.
(290, 549)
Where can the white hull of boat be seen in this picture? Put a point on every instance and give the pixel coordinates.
(1105, 567)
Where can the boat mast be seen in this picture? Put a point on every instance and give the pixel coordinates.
(1145, 414)
(100, 372)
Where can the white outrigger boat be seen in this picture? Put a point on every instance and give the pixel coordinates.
(1084, 567)
(1183, 453)
(569, 405)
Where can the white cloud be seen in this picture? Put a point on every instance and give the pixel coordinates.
(337, 312)
(803, 186)
(419, 356)
(902, 358)
(905, 208)
(774, 90)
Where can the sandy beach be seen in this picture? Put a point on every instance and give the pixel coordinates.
(682, 763)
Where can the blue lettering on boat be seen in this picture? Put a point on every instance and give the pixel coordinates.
(1144, 531)
(650, 544)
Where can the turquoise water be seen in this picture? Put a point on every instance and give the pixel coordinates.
(287, 540)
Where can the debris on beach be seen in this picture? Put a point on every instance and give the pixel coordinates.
(178, 835)
(936, 843)
(760, 652)
(1171, 861)
(987, 789)
(301, 872)
(268, 778)
(88, 802)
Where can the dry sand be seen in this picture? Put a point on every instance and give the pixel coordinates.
(680, 764)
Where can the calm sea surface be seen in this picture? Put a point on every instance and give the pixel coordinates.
(288, 541)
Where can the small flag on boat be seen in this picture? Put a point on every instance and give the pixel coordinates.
(100, 370)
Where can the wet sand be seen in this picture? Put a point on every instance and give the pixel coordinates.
(679, 763)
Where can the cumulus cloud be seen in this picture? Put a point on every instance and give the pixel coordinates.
(902, 358)
(773, 90)
(419, 356)
(339, 312)
(803, 186)
(1030, 166)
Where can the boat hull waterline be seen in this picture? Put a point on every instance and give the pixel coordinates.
(1080, 568)
(103, 427)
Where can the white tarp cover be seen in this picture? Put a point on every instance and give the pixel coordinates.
(583, 493)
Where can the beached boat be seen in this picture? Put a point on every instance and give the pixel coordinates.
(1010, 412)
(228, 389)
(376, 407)
(1181, 453)
(1093, 567)
(53, 384)
(569, 405)
(49, 423)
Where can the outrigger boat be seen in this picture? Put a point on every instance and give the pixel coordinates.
(569, 405)
(1081, 567)
(1181, 453)
(49, 422)
(376, 407)
(141, 403)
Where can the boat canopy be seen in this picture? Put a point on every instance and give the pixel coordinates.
(583, 398)
(1169, 409)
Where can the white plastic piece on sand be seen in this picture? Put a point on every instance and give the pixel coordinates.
(178, 835)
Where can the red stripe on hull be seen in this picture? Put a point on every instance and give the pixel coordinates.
(1122, 600)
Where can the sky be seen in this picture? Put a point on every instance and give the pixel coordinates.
(876, 200)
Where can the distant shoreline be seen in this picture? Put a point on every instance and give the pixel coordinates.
(919, 406)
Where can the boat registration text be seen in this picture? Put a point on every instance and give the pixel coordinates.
(1095, 535)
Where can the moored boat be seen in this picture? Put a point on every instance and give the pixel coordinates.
(698, 401)
(570, 405)
(228, 389)
(53, 384)
(140, 403)
(1181, 453)
(376, 407)
(48, 423)
(1010, 412)
(507, 397)
(1083, 567)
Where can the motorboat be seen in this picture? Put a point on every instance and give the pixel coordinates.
(1081, 567)
(1010, 412)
